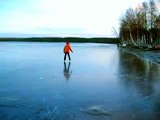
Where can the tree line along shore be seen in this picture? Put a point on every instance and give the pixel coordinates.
(58, 39)
(140, 26)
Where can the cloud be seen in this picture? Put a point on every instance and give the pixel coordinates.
(62, 16)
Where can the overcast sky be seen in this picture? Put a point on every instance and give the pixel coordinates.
(82, 18)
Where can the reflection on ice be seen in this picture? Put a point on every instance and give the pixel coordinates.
(66, 71)
(141, 75)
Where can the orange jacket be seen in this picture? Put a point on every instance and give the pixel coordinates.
(67, 48)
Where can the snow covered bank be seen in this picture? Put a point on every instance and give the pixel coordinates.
(151, 55)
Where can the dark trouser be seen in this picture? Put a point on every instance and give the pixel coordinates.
(66, 55)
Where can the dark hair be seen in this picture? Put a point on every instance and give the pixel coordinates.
(67, 42)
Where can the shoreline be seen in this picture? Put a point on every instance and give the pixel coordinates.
(152, 55)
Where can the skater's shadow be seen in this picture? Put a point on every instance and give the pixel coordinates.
(67, 73)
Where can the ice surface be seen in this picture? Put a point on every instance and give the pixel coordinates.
(35, 83)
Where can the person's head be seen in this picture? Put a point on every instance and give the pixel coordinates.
(67, 42)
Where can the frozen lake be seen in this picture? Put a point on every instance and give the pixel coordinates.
(36, 84)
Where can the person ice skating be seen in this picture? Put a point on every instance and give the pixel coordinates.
(67, 49)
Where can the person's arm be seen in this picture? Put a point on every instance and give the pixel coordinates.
(70, 49)
(64, 49)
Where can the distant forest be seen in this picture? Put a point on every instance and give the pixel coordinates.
(140, 27)
(58, 39)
